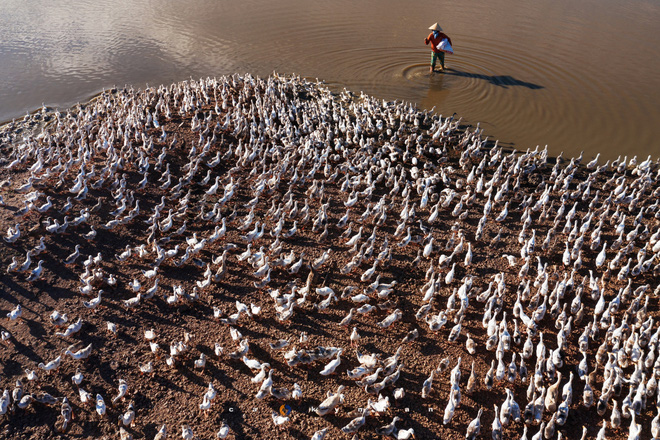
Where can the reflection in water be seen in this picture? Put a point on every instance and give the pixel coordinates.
(574, 75)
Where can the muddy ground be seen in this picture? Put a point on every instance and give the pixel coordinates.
(172, 396)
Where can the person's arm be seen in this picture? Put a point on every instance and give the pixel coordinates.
(427, 39)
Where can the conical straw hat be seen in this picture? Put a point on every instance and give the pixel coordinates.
(436, 27)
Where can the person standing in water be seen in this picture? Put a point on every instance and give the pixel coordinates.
(435, 37)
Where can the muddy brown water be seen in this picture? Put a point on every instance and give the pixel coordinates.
(573, 75)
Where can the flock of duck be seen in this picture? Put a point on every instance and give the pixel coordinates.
(277, 202)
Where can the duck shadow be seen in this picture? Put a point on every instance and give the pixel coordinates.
(167, 383)
(234, 417)
(8, 290)
(504, 81)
